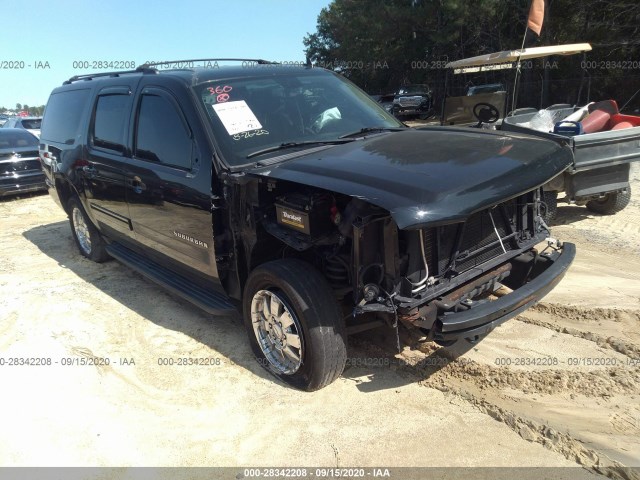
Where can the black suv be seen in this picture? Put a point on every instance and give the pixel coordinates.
(20, 169)
(414, 100)
(286, 192)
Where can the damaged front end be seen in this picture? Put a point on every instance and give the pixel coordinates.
(438, 229)
(445, 282)
(458, 280)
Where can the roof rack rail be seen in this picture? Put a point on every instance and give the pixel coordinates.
(149, 67)
(117, 73)
(259, 61)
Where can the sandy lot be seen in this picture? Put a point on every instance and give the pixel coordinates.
(558, 386)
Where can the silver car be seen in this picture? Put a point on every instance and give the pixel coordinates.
(32, 124)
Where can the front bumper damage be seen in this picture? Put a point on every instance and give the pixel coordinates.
(548, 269)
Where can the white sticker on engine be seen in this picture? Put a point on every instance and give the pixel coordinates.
(236, 117)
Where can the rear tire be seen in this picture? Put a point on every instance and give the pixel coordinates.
(294, 324)
(87, 238)
(612, 203)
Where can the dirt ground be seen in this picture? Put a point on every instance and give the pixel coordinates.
(558, 386)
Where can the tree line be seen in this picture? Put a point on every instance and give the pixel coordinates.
(383, 44)
(32, 111)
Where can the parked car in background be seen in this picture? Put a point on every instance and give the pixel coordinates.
(416, 100)
(31, 124)
(386, 101)
(20, 169)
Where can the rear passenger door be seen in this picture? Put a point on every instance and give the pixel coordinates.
(168, 182)
(103, 172)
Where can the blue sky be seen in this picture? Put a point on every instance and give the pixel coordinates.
(62, 32)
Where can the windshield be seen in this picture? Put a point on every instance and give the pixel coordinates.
(253, 114)
(409, 89)
(15, 138)
(478, 89)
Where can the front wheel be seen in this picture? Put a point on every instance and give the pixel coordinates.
(85, 234)
(294, 324)
(429, 114)
(611, 203)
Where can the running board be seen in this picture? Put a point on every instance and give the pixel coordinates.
(208, 300)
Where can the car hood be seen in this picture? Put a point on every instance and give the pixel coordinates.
(429, 176)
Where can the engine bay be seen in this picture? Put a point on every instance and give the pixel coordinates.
(382, 273)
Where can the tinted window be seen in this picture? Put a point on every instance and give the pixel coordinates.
(32, 123)
(161, 133)
(110, 121)
(62, 116)
(14, 138)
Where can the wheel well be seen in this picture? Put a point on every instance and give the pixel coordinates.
(268, 248)
(65, 192)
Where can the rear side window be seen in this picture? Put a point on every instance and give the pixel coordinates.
(62, 116)
(32, 124)
(161, 133)
(109, 122)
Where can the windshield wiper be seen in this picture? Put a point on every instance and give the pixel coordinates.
(284, 146)
(371, 130)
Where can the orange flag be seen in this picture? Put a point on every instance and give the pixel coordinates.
(536, 16)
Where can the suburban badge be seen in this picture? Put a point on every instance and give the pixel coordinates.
(190, 239)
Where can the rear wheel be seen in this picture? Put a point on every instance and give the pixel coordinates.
(294, 324)
(611, 203)
(87, 237)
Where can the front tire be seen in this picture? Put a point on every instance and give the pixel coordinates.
(85, 234)
(611, 204)
(294, 324)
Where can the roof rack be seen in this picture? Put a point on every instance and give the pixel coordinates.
(148, 68)
(259, 61)
(117, 73)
